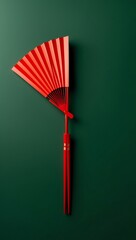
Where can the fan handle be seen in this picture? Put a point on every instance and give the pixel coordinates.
(67, 174)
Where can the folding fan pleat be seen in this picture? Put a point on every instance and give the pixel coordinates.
(32, 73)
(44, 55)
(47, 75)
(26, 71)
(66, 62)
(28, 79)
(62, 60)
(38, 64)
(59, 59)
(54, 60)
(33, 61)
(54, 71)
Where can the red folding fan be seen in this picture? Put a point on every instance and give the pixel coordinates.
(46, 68)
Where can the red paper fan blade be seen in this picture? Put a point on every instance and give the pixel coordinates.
(46, 68)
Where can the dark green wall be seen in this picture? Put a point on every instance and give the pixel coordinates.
(103, 98)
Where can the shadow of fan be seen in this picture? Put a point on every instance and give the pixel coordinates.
(72, 75)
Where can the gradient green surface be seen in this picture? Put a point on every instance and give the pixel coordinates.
(103, 98)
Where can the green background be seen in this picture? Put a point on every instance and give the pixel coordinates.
(103, 96)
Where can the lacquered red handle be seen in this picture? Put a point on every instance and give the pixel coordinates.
(68, 179)
(65, 178)
(66, 174)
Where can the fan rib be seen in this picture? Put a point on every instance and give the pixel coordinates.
(57, 97)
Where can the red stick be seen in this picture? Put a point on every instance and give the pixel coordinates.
(67, 194)
(68, 176)
(66, 171)
(65, 177)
